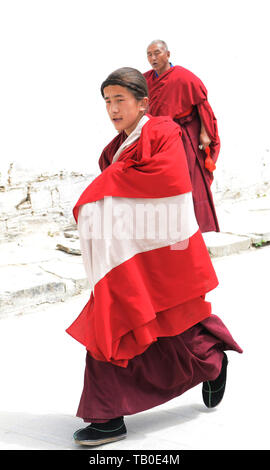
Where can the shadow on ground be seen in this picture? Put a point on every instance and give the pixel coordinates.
(53, 431)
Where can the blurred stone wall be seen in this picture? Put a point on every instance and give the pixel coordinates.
(31, 201)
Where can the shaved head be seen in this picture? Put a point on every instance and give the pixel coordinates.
(160, 43)
(158, 56)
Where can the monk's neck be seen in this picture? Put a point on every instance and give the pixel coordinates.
(163, 70)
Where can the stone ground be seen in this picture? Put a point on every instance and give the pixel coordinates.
(43, 289)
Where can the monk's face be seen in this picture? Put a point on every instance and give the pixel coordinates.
(158, 58)
(123, 108)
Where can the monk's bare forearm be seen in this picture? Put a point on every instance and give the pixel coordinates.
(204, 138)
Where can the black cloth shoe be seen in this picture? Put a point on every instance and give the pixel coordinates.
(101, 433)
(213, 390)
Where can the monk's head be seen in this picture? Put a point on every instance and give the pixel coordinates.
(126, 95)
(158, 56)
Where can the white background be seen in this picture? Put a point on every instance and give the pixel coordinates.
(56, 53)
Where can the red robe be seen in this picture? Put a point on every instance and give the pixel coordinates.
(141, 313)
(180, 94)
(155, 292)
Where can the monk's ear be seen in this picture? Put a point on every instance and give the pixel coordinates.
(168, 54)
(144, 104)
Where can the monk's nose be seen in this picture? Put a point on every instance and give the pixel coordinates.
(114, 107)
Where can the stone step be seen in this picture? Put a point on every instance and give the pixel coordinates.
(224, 244)
(25, 287)
(249, 219)
(69, 245)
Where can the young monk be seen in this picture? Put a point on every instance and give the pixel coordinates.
(147, 328)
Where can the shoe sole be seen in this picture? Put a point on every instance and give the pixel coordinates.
(100, 441)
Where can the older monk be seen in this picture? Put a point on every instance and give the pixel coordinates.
(175, 91)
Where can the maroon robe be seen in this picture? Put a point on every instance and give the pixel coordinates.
(170, 366)
(178, 93)
(167, 369)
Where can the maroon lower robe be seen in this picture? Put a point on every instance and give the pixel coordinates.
(200, 177)
(168, 368)
(180, 94)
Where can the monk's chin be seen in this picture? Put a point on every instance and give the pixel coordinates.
(118, 125)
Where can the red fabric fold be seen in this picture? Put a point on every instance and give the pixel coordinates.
(157, 166)
(158, 292)
(174, 92)
(130, 310)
